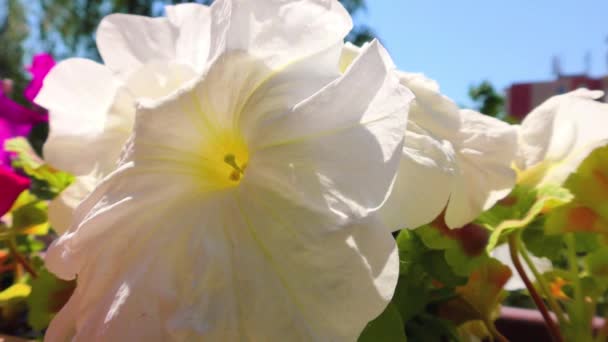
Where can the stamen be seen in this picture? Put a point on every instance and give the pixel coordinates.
(235, 175)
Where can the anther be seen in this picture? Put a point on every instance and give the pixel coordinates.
(235, 175)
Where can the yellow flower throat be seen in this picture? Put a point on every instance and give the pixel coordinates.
(238, 171)
(224, 160)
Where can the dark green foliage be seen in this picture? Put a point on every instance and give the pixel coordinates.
(488, 101)
(386, 327)
(13, 32)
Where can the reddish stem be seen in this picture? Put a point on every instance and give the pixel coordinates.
(21, 260)
(553, 329)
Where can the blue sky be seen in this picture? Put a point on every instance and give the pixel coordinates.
(504, 41)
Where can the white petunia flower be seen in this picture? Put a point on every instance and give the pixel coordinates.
(92, 106)
(453, 160)
(556, 137)
(242, 207)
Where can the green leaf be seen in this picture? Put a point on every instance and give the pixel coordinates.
(429, 327)
(29, 244)
(48, 296)
(433, 238)
(594, 287)
(575, 217)
(413, 293)
(589, 183)
(514, 206)
(541, 244)
(436, 264)
(414, 286)
(589, 211)
(455, 263)
(13, 293)
(462, 264)
(411, 250)
(482, 292)
(34, 166)
(386, 327)
(12, 301)
(597, 263)
(587, 242)
(547, 198)
(479, 298)
(31, 218)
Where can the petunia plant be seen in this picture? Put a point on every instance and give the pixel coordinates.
(236, 172)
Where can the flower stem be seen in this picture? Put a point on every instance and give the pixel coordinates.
(553, 329)
(495, 333)
(542, 283)
(578, 315)
(20, 258)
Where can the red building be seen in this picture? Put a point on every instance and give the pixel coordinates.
(523, 97)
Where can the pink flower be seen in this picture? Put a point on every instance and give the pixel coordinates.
(41, 65)
(12, 185)
(17, 120)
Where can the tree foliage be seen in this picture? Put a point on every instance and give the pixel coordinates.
(13, 31)
(488, 101)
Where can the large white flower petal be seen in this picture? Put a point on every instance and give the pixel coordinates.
(225, 107)
(437, 114)
(126, 42)
(61, 209)
(216, 219)
(193, 43)
(350, 52)
(88, 125)
(230, 268)
(355, 124)
(92, 222)
(154, 81)
(558, 135)
(423, 183)
(428, 163)
(278, 31)
(486, 150)
(537, 134)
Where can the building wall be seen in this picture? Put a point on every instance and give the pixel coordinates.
(523, 97)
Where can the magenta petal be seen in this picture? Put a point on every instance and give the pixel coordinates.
(18, 114)
(41, 65)
(6, 132)
(12, 185)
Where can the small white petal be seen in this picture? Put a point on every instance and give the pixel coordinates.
(193, 43)
(559, 134)
(420, 82)
(486, 150)
(61, 209)
(154, 81)
(88, 125)
(423, 183)
(350, 52)
(278, 31)
(126, 42)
